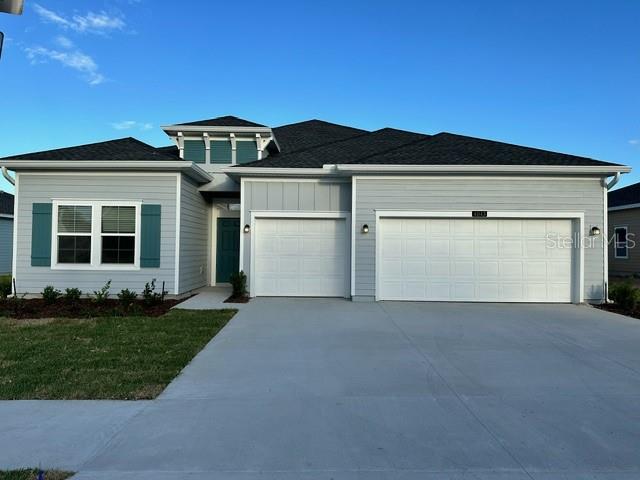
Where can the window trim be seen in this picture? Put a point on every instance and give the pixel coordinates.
(96, 235)
(615, 242)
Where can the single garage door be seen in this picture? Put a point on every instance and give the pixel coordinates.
(474, 260)
(300, 257)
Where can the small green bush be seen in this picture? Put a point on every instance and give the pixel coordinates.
(239, 284)
(5, 287)
(625, 295)
(101, 296)
(51, 294)
(149, 294)
(127, 297)
(72, 295)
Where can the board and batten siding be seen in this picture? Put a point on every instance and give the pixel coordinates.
(290, 196)
(468, 194)
(194, 241)
(158, 188)
(6, 245)
(629, 218)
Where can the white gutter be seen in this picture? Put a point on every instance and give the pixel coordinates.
(271, 171)
(613, 181)
(188, 168)
(6, 175)
(202, 128)
(568, 169)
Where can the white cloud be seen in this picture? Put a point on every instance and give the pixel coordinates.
(634, 141)
(64, 42)
(131, 124)
(99, 23)
(74, 59)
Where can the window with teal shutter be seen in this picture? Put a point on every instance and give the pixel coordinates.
(150, 236)
(194, 151)
(246, 152)
(221, 152)
(41, 235)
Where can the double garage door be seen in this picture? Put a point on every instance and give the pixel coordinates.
(428, 259)
(475, 260)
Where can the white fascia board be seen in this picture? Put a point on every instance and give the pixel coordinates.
(624, 207)
(259, 171)
(558, 169)
(200, 129)
(188, 168)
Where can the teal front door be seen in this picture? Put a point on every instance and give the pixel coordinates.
(228, 248)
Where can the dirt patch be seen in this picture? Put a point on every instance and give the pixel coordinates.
(241, 299)
(37, 312)
(612, 307)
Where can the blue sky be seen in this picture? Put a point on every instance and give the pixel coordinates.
(563, 76)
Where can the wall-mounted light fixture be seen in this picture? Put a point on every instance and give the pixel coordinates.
(365, 228)
(595, 231)
(247, 228)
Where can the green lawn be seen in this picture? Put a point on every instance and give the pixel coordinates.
(32, 474)
(103, 358)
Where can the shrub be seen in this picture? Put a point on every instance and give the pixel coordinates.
(127, 297)
(5, 287)
(149, 294)
(51, 294)
(101, 296)
(72, 295)
(239, 284)
(625, 295)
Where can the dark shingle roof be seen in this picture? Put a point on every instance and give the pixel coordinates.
(624, 196)
(343, 151)
(170, 150)
(6, 203)
(121, 149)
(226, 121)
(450, 149)
(311, 133)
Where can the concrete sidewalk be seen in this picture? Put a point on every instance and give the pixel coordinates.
(210, 298)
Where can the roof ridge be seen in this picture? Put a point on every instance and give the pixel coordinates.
(498, 142)
(333, 142)
(323, 121)
(388, 150)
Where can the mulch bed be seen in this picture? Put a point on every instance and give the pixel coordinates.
(84, 308)
(612, 307)
(240, 299)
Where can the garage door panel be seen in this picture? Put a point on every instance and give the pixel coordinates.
(474, 260)
(300, 257)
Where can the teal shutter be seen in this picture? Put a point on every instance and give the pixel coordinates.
(150, 237)
(41, 235)
(246, 152)
(194, 151)
(221, 151)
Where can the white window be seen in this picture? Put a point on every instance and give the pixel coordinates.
(99, 235)
(621, 246)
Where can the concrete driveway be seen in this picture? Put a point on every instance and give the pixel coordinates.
(329, 389)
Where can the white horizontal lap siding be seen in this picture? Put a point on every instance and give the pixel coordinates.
(156, 189)
(194, 230)
(291, 196)
(482, 193)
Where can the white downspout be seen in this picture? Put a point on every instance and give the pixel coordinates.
(605, 231)
(6, 175)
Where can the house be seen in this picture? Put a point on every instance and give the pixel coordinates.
(624, 227)
(315, 209)
(6, 232)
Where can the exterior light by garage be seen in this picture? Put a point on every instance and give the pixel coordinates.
(247, 228)
(595, 231)
(365, 228)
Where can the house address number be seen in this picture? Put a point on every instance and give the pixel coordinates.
(479, 213)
